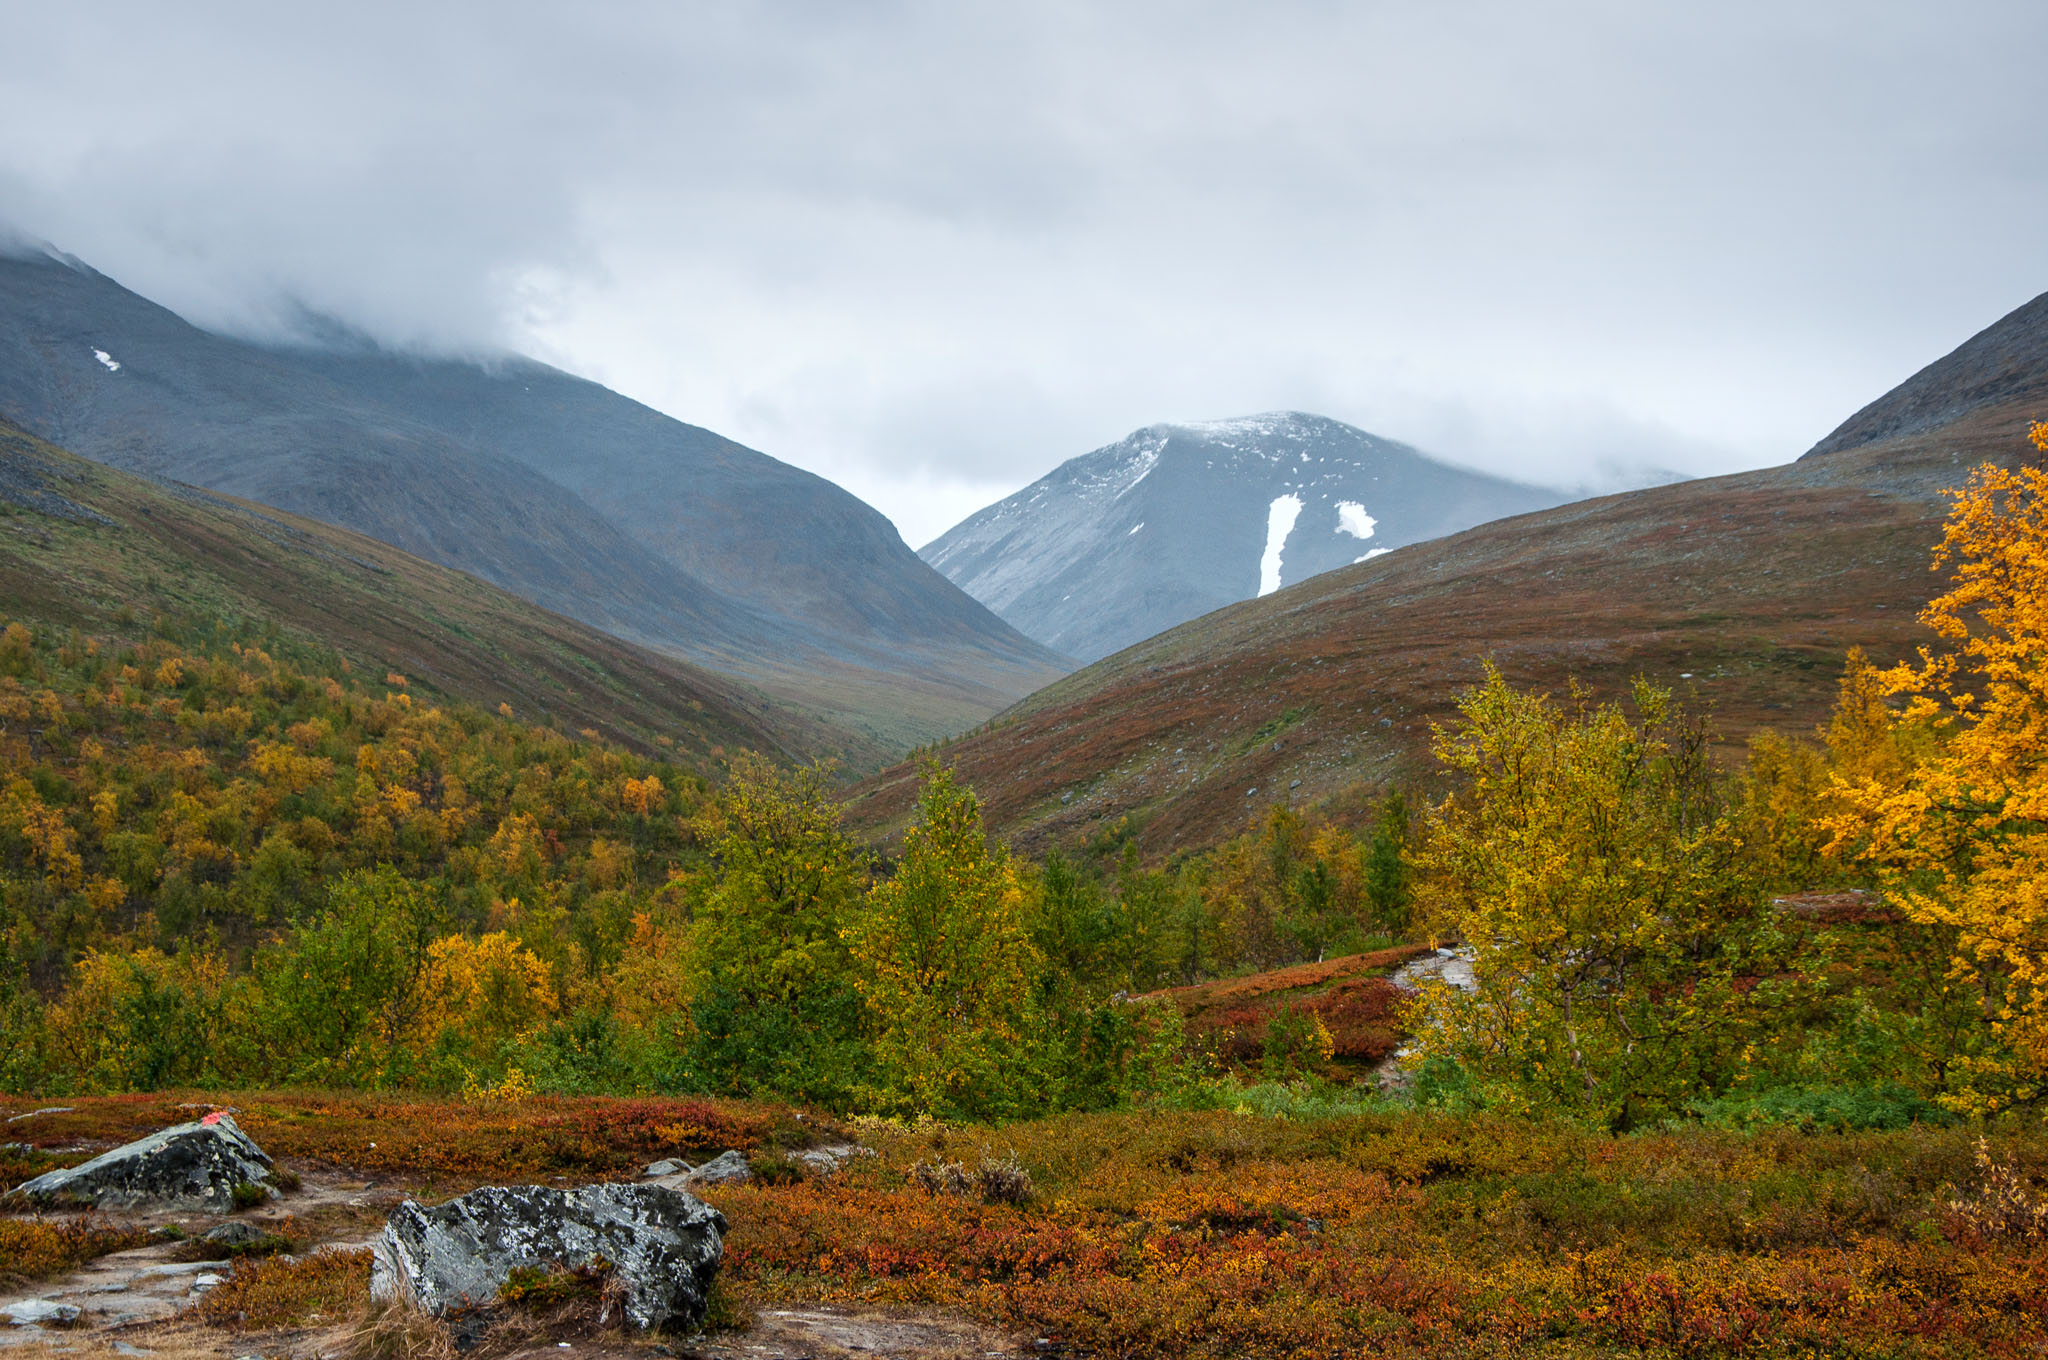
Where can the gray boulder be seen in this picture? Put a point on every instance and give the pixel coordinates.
(728, 1166)
(663, 1244)
(235, 1234)
(187, 1166)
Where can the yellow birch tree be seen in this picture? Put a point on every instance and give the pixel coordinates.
(1959, 838)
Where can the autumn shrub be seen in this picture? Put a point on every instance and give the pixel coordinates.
(1590, 861)
(1364, 1017)
(945, 962)
(1296, 1041)
(35, 1248)
(1393, 1233)
(775, 1168)
(543, 1286)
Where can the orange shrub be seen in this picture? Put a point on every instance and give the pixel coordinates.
(32, 1248)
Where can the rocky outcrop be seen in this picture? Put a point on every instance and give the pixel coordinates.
(197, 1166)
(663, 1246)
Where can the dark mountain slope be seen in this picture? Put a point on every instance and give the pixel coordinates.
(213, 412)
(484, 474)
(1176, 520)
(1742, 592)
(738, 520)
(2004, 365)
(85, 546)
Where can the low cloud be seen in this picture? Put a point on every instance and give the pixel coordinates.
(932, 249)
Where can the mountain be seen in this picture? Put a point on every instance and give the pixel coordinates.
(1742, 592)
(85, 546)
(1176, 520)
(2002, 370)
(550, 486)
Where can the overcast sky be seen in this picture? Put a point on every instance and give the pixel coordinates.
(931, 250)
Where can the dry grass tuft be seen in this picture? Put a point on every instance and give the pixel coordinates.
(172, 1342)
(993, 1182)
(2003, 1205)
(289, 1291)
(394, 1330)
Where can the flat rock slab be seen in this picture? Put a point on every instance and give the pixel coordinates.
(193, 1166)
(126, 1289)
(41, 1313)
(663, 1244)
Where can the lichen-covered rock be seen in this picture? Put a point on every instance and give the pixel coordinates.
(193, 1166)
(663, 1245)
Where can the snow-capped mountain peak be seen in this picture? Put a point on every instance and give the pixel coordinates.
(1230, 509)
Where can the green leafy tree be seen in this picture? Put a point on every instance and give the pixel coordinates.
(773, 1006)
(946, 965)
(1072, 922)
(343, 992)
(1388, 894)
(1151, 914)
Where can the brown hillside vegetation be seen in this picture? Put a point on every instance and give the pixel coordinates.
(87, 547)
(1743, 590)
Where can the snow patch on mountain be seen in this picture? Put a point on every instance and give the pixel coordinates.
(112, 365)
(1280, 517)
(1352, 519)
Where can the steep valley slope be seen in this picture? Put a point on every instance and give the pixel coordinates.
(1742, 592)
(547, 485)
(87, 547)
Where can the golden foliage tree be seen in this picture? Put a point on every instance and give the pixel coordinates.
(1959, 836)
(1588, 864)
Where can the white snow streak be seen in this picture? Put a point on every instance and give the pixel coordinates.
(106, 359)
(1135, 527)
(1280, 517)
(1376, 552)
(1352, 519)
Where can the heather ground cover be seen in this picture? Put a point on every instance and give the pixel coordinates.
(1213, 1233)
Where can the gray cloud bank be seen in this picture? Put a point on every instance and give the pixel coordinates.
(931, 249)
